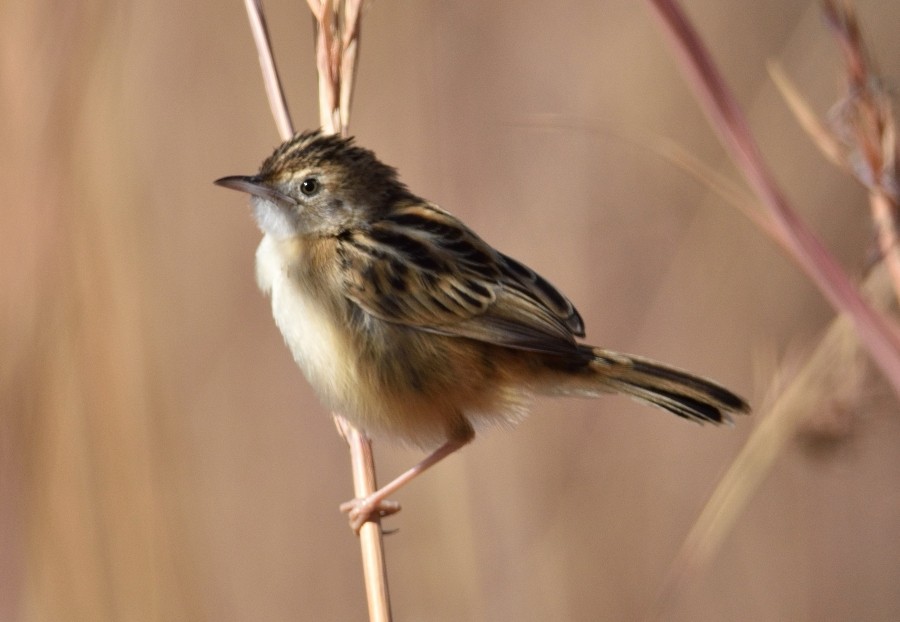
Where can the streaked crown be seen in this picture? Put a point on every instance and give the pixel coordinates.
(364, 179)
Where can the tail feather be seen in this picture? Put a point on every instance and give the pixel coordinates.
(679, 392)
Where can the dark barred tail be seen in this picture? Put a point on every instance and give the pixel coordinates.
(677, 391)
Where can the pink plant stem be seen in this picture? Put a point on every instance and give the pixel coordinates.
(875, 333)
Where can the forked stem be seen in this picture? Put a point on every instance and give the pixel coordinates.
(336, 67)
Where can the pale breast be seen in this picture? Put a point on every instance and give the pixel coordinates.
(392, 379)
(307, 322)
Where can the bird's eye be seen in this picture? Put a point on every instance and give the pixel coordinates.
(309, 186)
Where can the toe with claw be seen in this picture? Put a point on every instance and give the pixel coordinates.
(361, 510)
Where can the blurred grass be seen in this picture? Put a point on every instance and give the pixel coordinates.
(162, 459)
(92, 533)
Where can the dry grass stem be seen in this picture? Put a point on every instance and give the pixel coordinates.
(832, 375)
(861, 137)
(337, 37)
(274, 92)
(829, 378)
(371, 540)
(728, 190)
(806, 117)
(337, 44)
(876, 333)
(350, 43)
(159, 460)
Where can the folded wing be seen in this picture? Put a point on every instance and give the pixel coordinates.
(421, 267)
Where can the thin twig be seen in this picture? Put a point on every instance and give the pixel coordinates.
(337, 33)
(371, 540)
(884, 215)
(350, 43)
(864, 123)
(272, 82)
(328, 88)
(877, 335)
(861, 139)
(728, 190)
(818, 130)
(337, 46)
(336, 66)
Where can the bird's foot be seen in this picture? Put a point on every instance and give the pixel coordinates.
(372, 507)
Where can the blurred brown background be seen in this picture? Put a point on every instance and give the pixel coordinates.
(161, 457)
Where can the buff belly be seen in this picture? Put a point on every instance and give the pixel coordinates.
(389, 380)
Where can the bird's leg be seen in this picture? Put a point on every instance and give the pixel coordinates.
(377, 504)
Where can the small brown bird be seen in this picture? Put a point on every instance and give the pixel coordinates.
(412, 326)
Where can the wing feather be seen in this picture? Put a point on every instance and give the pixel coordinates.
(421, 267)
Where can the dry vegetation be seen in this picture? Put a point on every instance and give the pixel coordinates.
(162, 459)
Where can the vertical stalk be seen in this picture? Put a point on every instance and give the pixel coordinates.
(337, 45)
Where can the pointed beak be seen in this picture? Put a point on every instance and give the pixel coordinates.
(255, 186)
